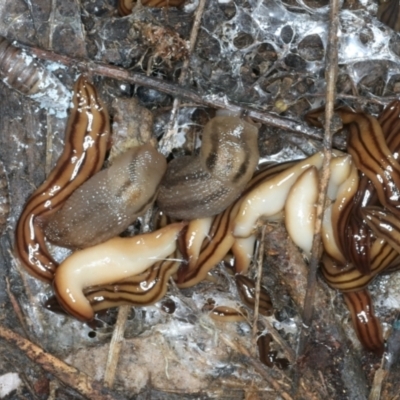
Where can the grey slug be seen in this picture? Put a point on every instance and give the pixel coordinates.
(205, 185)
(105, 205)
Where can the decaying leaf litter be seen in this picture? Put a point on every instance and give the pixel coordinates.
(266, 56)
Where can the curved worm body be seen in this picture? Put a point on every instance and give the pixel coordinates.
(342, 208)
(371, 155)
(348, 278)
(86, 141)
(341, 190)
(220, 238)
(341, 168)
(269, 197)
(125, 6)
(300, 209)
(139, 290)
(384, 224)
(4, 199)
(106, 204)
(205, 185)
(247, 292)
(243, 250)
(109, 262)
(26, 75)
(366, 325)
(371, 143)
(328, 237)
(197, 230)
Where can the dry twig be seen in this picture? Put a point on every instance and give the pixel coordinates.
(213, 101)
(70, 376)
(116, 345)
(331, 76)
(16, 307)
(260, 259)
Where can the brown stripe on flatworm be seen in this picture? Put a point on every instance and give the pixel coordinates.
(125, 6)
(389, 13)
(107, 203)
(86, 142)
(4, 199)
(139, 290)
(247, 292)
(367, 145)
(366, 325)
(205, 185)
(228, 314)
(220, 239)
(348, 277)
(390, 123)
(358, 233)
(384, 224)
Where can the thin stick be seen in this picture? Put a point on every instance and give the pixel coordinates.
(70, 376)
(165, 142)
(331, 76)
(16, 307)
(260, 259)
(173, 89)
(117, 339)
(116, 345)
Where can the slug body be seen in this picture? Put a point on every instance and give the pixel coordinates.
(109, 262)
(86, 141)
(106, 204)
(205, 185)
